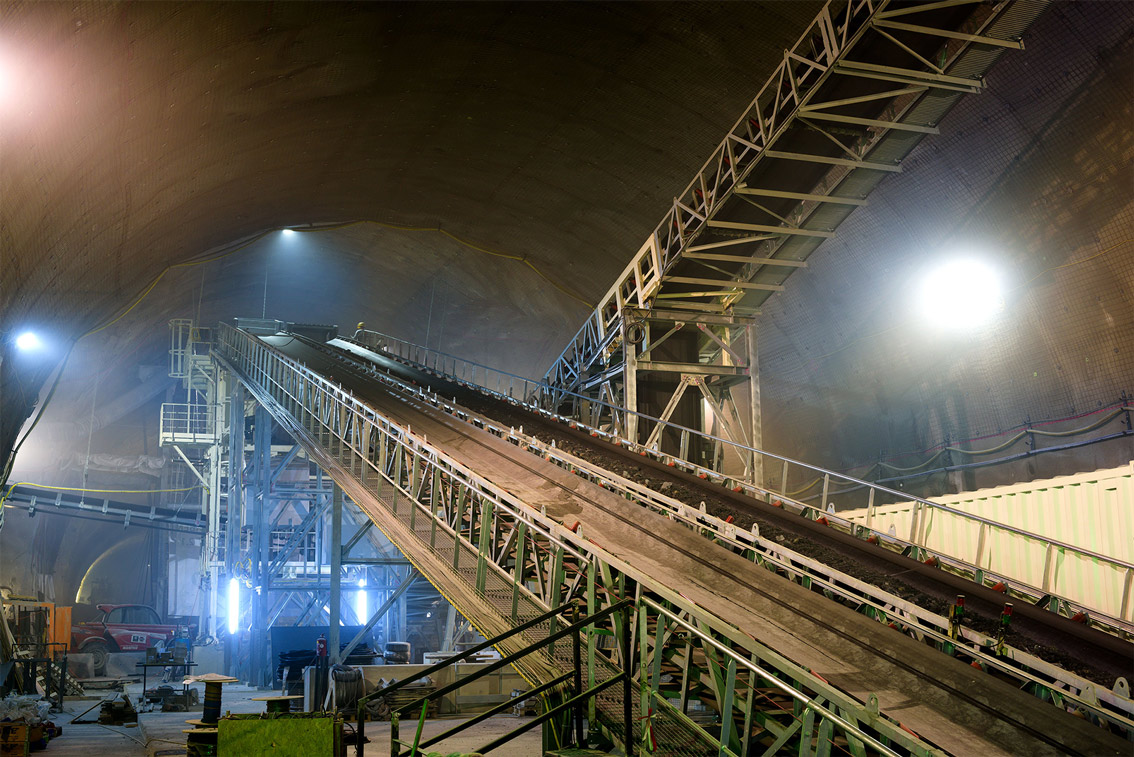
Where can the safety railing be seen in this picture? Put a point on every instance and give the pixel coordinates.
(1062, 563)
(188, 423)
(457, 511)
(570, 710)
(1032, 674)
(751, 694)
(1106, 707)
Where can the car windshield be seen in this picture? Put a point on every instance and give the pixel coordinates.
(134, 615)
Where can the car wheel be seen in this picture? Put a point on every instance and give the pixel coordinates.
(100, 654)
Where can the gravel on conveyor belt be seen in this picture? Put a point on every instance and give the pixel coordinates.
(548, 431)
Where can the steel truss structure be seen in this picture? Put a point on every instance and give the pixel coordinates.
(501, 562)
(1050, 586)
(38, 501)
(863, 84)
(285, 523)
(1046, 681)
(269, 519)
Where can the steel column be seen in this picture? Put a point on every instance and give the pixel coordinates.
(336, 571)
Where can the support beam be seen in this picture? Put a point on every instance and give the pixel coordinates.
(700, 369)
(807, 196)
(813, 115)
(191, 467)
(286, 461)
(805, 158)
(380, 612)
(908, 76)
(336, 572)
(755, 417)
(258, 661)
(744, 259)
(1011, 44)
(789, 230)
(298, 537)
(362, 531)
(729, 243)
(737, 284)
(375, 561)
(235, 502)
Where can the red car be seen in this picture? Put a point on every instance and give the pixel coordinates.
(119, 628)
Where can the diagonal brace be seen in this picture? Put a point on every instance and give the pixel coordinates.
(380, 613)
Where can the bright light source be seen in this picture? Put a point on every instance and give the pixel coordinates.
(28, 341)
(360, 601)
(961, 294)
(288, 232)
(233, 605)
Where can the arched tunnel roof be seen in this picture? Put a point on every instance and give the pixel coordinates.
(510, 157)
(140, 135)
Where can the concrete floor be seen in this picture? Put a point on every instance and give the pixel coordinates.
(158, 734)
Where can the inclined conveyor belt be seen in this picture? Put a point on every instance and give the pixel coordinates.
(940, 698)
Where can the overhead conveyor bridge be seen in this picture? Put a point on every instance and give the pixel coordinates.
(860, 88)
(728, 658)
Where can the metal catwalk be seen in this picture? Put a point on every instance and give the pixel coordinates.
(506, 535)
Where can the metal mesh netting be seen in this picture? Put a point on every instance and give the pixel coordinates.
(1035, 172)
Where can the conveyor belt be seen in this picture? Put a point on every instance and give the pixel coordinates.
(1103, 652)
(941, 699)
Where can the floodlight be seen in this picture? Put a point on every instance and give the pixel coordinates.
(960, 294)
(233, 605)
(28, 341)
(360, 601)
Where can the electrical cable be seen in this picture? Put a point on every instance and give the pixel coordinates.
(1115, 413)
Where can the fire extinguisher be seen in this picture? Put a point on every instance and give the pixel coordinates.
(321, 645)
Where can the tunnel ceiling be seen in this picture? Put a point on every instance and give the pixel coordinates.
(136, 135)
(505, 162)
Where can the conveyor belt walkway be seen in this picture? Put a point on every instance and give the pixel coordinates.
(505, 535)
(1049, 582)
(1109, 656)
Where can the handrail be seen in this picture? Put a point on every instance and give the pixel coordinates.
(827, 475)
(573, 629)
(760, 674)
(436, 667)
(275, 378)
(928, 624)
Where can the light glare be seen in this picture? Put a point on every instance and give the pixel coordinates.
(960, 294)
(233, 605)
(288, 232)
(360, 608)
(28, 341)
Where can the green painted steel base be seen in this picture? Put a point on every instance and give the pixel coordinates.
(284, 735)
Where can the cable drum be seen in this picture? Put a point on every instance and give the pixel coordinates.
(347, 687)
(635, 332)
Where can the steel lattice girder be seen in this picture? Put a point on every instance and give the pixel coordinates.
(851, 98)
(36, 500)
(498, 560)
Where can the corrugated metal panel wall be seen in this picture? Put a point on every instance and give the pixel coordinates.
(1090, 510)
